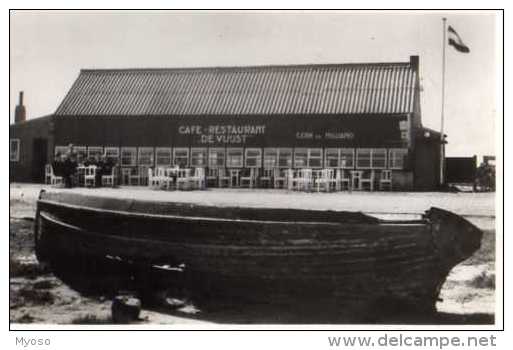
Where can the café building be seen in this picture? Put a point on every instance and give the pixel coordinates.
(360, 118)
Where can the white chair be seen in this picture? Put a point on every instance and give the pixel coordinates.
(367, 181)
(305, 180)
(198, 179)
(110, 180)
(280, 177)
(267, 178)
(385, 180)
(51, 178)
(356, 179)
(234, 177)
(154, 181)
(251, 179)
(90, 176)
(183, 179)
(342, 181)
(223, 178)
(143, 175)
(325, 180)
(212, 174)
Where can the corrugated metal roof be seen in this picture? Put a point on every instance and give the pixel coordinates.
(381, 88)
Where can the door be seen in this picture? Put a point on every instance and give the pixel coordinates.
(39, 159)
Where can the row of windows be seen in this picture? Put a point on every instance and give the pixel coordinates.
(347, 158)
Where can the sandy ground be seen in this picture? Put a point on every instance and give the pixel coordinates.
(38, 296)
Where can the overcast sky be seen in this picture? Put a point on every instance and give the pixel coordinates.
(49, 49)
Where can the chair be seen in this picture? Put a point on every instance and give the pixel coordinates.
(280, 177)
(111, 179)
(125, 176)
(143, 175)
(250, 179)
(223, 178)
(90, 176)
(234, 177)
(50, 177)
(325, 180)
(154, 180)
(356, 179)
(368, 181)
(342, 181)
(134, 177)
(305, 180)
(266, 178)
(198, 179)
(167, 177)
(183, 179)
(212, 174)
(385, 180)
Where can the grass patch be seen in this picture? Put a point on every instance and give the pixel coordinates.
(29, 269)
(37, 297)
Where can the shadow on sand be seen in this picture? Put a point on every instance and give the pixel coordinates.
(109, 278)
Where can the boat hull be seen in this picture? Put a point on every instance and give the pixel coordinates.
(261, 254)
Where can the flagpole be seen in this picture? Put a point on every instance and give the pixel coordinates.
(442, 138)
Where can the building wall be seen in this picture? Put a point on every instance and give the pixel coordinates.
(251, 131)
(32, 134)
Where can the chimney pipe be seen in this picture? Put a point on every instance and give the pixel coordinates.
(20, 114)
(414, 61)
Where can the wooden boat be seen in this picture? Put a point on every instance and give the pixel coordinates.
(263, 254)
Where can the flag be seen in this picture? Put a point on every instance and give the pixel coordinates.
(455, 40)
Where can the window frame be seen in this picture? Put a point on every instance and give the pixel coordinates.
(257, 157)
(343, 152)
(290, 157)
(175, 158)
(392, 158)
(296, 151)
(106, 149)
(211, 158)
(16, 154)
(170, 153)
(358, 166)
(98, 150)
(133, 158)
(152, 156)
(266, 152)
(204, 151)
(228, 162)
(337, 158)
(373, 158)
(310, 158)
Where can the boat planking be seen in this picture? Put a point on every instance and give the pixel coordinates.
(262, 254)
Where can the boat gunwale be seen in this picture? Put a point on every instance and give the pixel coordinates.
(379, 222)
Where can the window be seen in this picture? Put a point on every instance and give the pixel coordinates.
(181, 157)
(332, 157)
(198, 157)
(315, 157)
(163, 156)
(94, 152)
(145, 156)
(60, 150)
(14, 150)
(379, 158)
(216, 157)
(371, 158)
(253, 157)
(363, 158)
(234, 158)
(396, 158)
(347, 158)
(270, 158)
(81, 153)
(128, 156)
(300, 157)
(112, 154)
(285, 157)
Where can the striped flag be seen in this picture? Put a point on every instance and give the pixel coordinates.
(456, 42)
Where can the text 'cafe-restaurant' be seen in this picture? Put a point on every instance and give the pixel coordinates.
(360, 118)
